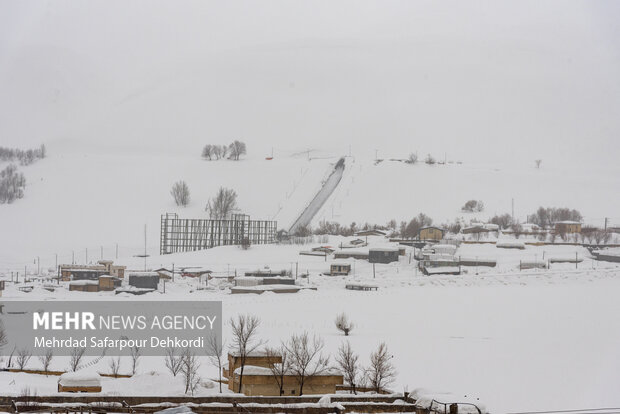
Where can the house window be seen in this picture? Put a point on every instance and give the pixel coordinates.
(292, 392)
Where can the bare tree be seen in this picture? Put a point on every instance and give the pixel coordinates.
(115, 366)
(76, 357)
(173, 361)
(348, 362)
(381, 371)
(189, 369)
(12, 184)
(307, 360)
(180, 193)
(135, 359)
(344, 324)
(215, 346)
(23, 356)
(224, 151)
(430, 160)
(236, 149)
(473, 206)
(279, 369)
(413, 158)
(207, 152)
(217, 152)
(46, 359)
(244, 342)
(517, 229)
(538, 162)
(223, 205)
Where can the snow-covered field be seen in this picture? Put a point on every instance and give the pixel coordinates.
(529, 340)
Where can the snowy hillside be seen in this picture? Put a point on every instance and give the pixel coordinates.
(78, 199)
(81, 200)
(396, 190)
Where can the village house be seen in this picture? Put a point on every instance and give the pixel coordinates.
(256, 358)
(69, 272)
(258, 378)
(339, 269)
(84, 285)
(431, 233)
(564, 227)
(383, 255)
(261, 381)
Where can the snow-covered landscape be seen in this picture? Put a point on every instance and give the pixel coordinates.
(363, 130)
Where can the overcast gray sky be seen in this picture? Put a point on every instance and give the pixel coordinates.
(474, 79)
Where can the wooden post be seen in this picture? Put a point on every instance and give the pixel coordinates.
(373, 271)
(296, 269)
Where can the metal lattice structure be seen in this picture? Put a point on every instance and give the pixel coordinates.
(187, 235)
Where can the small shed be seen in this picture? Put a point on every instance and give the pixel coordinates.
(107, 282)
(431, 233)
(339, 269)
(144, 280)
(80, 381)
(84, 285)
(562, 227)
(383, 255)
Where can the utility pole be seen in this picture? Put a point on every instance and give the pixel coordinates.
(606, 218)
(72, 256)
(56, 260)
(513, 210)
(38, 265)
(116, 251)
(101, 252)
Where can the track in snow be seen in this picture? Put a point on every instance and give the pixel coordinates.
(320, 198)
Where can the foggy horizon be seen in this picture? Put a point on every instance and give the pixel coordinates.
(476, 82)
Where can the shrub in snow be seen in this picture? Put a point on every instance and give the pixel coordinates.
(412, 159)
(430, 160)
(343, 324)
(180, 193)
(12, 184)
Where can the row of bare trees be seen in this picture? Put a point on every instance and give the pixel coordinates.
(233, 151)
(302, 356)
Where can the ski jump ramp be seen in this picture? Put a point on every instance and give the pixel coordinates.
(320, 198)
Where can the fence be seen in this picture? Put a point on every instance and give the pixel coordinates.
(186, 235)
